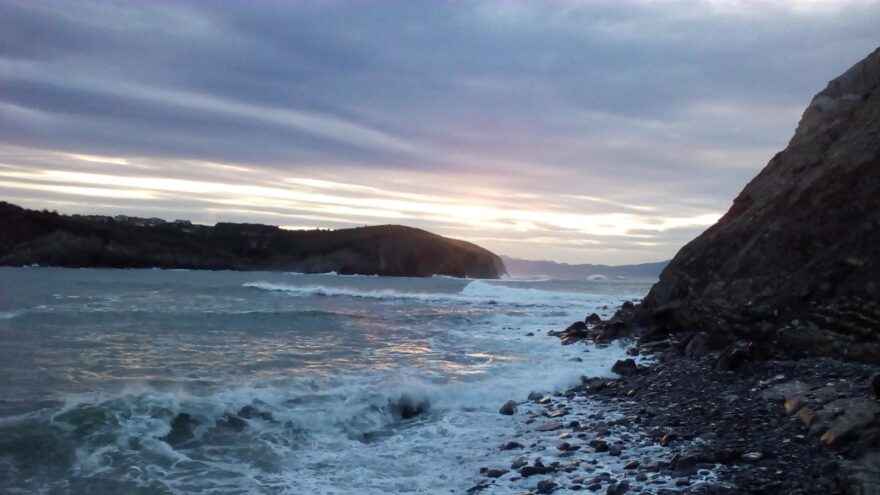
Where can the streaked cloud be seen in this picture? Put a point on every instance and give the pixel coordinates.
(583, 131)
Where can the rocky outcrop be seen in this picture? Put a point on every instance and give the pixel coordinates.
(795, 262)
(49, 239)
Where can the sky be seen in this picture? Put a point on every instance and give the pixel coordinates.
(583, 132)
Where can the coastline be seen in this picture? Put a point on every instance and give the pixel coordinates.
(680, 424)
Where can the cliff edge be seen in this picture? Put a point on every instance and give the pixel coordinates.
(795, 262)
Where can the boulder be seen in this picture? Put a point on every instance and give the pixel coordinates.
(593, 319)
(546, 486)
(508, 408)
(625, 367)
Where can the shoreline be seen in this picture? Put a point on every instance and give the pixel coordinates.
(688, 423)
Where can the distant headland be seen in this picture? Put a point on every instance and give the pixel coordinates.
(51, 239)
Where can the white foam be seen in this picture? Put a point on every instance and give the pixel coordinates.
(475, 292)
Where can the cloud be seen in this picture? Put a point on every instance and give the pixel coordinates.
(641, 113)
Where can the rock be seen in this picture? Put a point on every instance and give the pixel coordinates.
(806, 416)
(615, 451)
(512, 445)
(576, 327)
(625, 367)
(829, 467)
(546, 486)
(527, 471)
(752, 456)
(875, 385)
(794, 261)
(593, 319)
(793, 404)
(846, 427)
(599, 445)
(731, 358)
(496, 473)
(545, 400)
(862, 476)
(551, 426)
(633, 464)
(668, 438)
(519, 462)
(618, 488)
(535, 396)
(508, 408)
(594, 487)
(478, 487)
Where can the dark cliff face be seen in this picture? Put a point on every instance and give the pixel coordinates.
(50, 239)
(795, 262)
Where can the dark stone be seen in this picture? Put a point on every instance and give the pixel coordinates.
(527, 471)
(512, 446)
(625, 367)
(496, 473)
(731, 358)
(508, 408)
(875, 385)
(618, 488)
(593, 319)
(535, 396)
(546, 486)
(577, 326)
(599, 445)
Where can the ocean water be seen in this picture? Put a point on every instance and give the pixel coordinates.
(190, 382)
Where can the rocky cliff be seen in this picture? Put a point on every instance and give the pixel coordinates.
(50, 239)
(795, 262)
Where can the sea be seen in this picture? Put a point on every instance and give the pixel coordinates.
(222, 382)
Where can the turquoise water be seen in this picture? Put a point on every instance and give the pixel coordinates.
(158, 381)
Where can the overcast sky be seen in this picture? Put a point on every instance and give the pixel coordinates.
(604, 132)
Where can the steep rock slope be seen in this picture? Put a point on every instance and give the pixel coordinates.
(50, 239)
(795, 262)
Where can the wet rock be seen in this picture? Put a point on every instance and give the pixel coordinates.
(551, 426)
(527, 471)
(512, 445)
(847, 427)
(535, 396)
(593, 319)
(615, 451)
(618, 488)
(482, 485)
(732, 358)
(496, 473)
(546, 486)
(633, 464)
(667, 439)
(575, 327)
(519, 462)
(862, 476)
(508, 408)
(599, 445)
(752, 456)
(625, 367)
